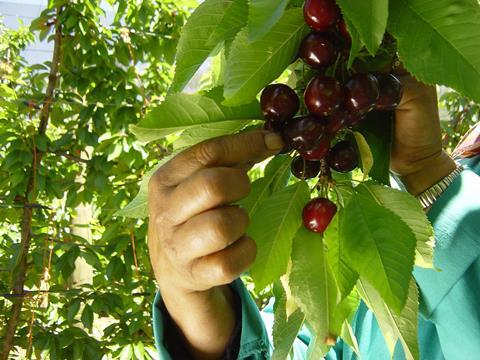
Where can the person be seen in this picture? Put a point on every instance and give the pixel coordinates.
(198, 247)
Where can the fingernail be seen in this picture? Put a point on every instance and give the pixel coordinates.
(273, 141)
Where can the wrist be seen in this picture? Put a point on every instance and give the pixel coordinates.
(205, 318)
(432, 170)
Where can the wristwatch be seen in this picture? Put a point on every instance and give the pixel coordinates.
(429, 196)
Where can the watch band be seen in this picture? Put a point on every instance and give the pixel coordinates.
(429, 196)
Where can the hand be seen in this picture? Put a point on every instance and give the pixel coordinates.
(417, 155)
(197, 241)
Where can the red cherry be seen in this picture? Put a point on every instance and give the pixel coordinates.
(391, 91)
(361, 93)
(318, 50)
(303, 133)
(318, 213)
(305, 169)
(323, 95)
(320, 151)
(321, 14)
(279, 102)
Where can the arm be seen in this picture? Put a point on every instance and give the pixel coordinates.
(196, 242)
(449, 297)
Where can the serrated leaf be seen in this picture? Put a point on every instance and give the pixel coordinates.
(234, 19)
(349, 338)
(410, 211)
(365, 153)
(290, 304)
(87, 317)
(196, 134)
(312, 282)
(73, 310)
(183, 111)
(263, 15)
(403, 327)
(369, 17)
(285, 329)
(343, 312)
(251, 66)
(317, 349)
(379, 246)
(273, 228)
(138, 207)
(277, 169)
(195, 44)
(377, 128)
(448, 34)
(345, 276)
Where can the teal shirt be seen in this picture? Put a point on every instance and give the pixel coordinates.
(449, 325)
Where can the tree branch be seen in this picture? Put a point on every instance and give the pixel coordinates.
(20, 270)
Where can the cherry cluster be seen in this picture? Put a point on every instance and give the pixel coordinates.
(332, 104)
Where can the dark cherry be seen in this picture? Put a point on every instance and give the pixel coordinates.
(391, 91)
(321, 14)
(343, 157)
(320, 151)
(323, 95)
(318, 50)
(342, 29)
(275, 126)
(304, 133)
(304, 169)
(361, 93)
(279, 102)
(337, 121)
(318, 213)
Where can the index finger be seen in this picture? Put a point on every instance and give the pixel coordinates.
(229, 150)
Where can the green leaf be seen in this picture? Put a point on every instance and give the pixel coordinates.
(345, 276)
(196, 134)
(365, 153)
(234, 19)
(263, 15)
(379, 246)
(276, 170)
(377, 128)
(87, 317)
(446, 46)
(349, 338)
(251, 66)
(343, 312)
(183, 111)
(317, 349)
(312, 282)
(73, 310)
(195, 44)
(410, 211)
(403, 327)
(273, 228)
(285, 330)
(369, 17)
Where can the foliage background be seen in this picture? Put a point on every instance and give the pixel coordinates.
(90, 162)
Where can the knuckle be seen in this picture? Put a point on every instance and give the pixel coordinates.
(207, 153)
(250, 251)
(220, 226)
(226, 272)
(241, 216)
(214, 185)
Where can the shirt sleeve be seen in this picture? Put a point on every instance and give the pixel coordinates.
(249, 339)
(450, 296)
